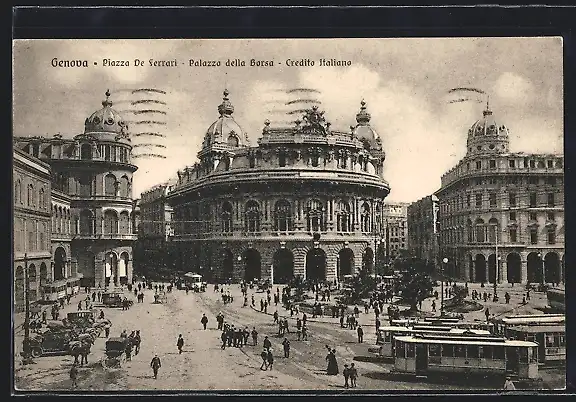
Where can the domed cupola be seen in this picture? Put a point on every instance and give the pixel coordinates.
(225, 130)
(106, 120)
(364, 132)
(487, 136)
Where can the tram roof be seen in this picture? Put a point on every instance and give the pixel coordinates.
(439, 330)
(540, 329)
(443, 341)
(540, 319)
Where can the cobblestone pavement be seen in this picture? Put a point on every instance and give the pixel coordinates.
(204, 366)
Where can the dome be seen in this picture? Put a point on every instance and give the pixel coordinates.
(225, 129)
(364, 132)
(106, 120)
(487, 125)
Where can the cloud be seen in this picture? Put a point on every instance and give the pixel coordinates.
(513, 88)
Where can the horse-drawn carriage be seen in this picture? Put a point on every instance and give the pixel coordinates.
(115, 355)
(160, 298)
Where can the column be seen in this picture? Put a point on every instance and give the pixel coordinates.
(466, 275)
(503, 273)
(524, 271)
(101, 225)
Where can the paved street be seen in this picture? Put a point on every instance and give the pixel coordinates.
(204, 366)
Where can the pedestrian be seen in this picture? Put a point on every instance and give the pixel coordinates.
(128, 351)
(44, 314)
(275, 317)
(332, 368)
(79, 305)
(155, 364)
(304, 333)
(204, 320)
(137, 342)
(346, 373)
(487, 314)
(180, 343)
(264, 356)
(434, 305)
(107, 330)
(353, 375)
(509, 385)
(224, 338)
(254, 336)
(270, 358)
(360, 334)
(74, 375)
(507, 297)
(101, 314)
(267, 344)
(286, 344)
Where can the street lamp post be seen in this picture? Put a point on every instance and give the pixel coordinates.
(542, 279)
(26, 353)
(445, 261)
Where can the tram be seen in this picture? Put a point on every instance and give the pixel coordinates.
(73, 287)
(551, 340)
(445, 322)
(386, 335)
(430, 354)
(54, 291)
(501, 324)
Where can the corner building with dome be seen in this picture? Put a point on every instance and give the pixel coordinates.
(305, 201)
(92, 232)
(501, 214)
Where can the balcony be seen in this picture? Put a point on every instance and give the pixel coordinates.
(61, 236)
(106, 236)
(100, 197)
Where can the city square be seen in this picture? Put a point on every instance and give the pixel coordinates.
(175, 206)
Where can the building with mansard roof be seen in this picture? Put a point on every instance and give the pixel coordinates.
(306, 200)
(501, 214)
(91, 177)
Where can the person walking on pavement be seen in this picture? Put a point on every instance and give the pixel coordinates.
(346, 373)
(353, 375)
(204, 320)
(180, 343)
(155, 364)
(487, 314)
(137, 342)
(286, 344)
(128, 351)
(44, 316)
(267, 344)
(74, 375)
(254, 336)
(264, 356)
(360, 334)
(270, 358)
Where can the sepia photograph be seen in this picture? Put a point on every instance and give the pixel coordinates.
(342, 215)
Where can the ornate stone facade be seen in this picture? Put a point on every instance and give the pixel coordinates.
(502, 214)
(305, 201)
(93, 171)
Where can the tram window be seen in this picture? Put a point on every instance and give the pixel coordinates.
(435, 350)
(523, 354)
(531, 338)
(448, 350)
(387, 337)
(472, 351)
(561, 340)
(410, 350)
(534, 355)
(459, 351)
(399, 349)
(498, 353)
(550, 341)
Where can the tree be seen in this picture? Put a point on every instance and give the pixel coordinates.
(299, 286)
(415, 283)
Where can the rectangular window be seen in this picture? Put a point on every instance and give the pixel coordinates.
(448, 350)
(478, 182)
(435, 350)
(512, 199)
(410, 350)
(513, 216)
(550, 216)
(551, 236)
(534, 236)
(492, 164)
(525, 164)
(551, 181)
(459, 350)
(472, 352)
(550, 164)
(468, 202)
(550, 199)
(498, 353)
(532, 200)
(478, 165)
(512, 163)
(492, 199)
(532, 163)
(478, 200)
(533, 216)
(533, 180)
(468, 166)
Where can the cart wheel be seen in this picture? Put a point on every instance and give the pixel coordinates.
(36, 351)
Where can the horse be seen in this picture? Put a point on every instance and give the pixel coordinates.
(80, 348)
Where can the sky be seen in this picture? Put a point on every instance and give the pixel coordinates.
(405, 83)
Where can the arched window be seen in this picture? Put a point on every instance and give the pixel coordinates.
(493, 231)
(207, 218)
(124, 222)
(17, 193)
(282, 216)
(110, 185)
(42, 202)
(124, 187)
(30, 195)
(85, 184)
(110, 222)
(86, 223)
(343, 217)
(315, 216)
(233, 140)
(365, 218)
(227, 217)
(480, 231)
(252, 217)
